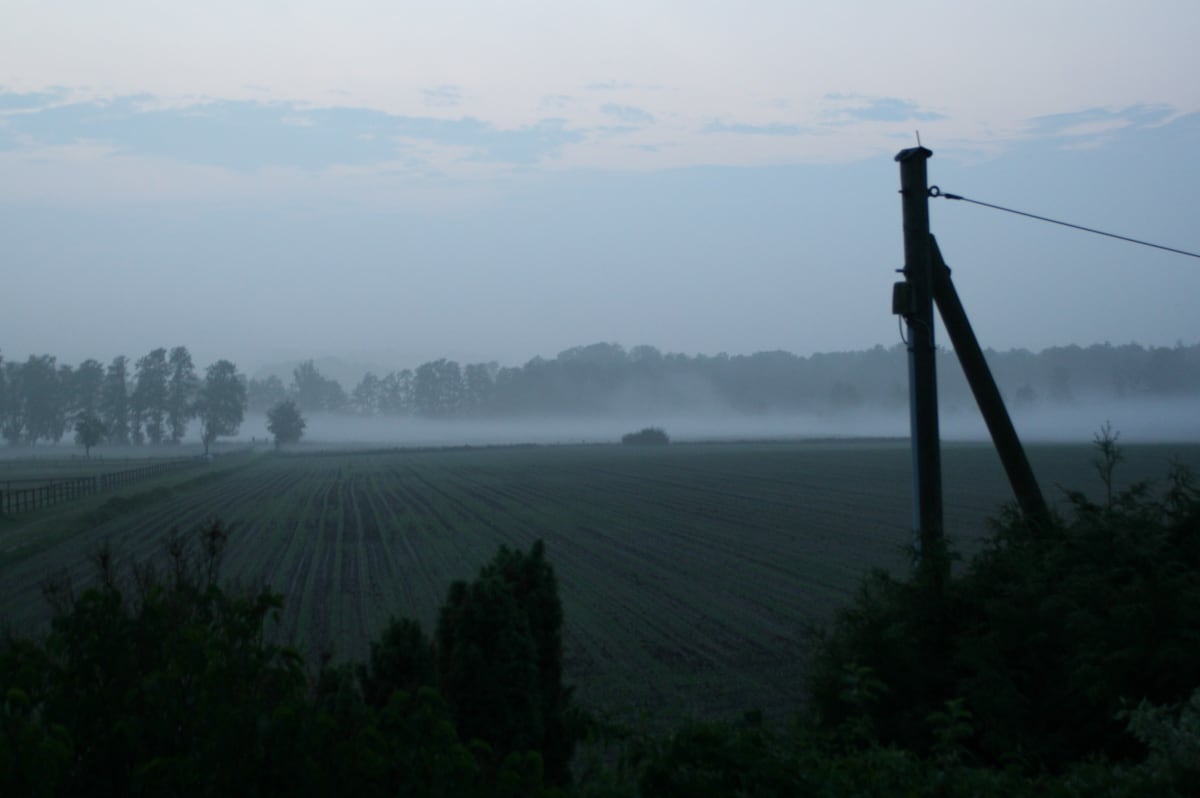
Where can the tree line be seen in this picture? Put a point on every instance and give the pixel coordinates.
(154, 399)
(605, 378)
(151, 401)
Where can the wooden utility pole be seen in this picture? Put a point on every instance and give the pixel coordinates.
(914, 301)
(927, 280)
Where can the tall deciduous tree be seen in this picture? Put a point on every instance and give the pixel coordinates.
(181, 392)
(262, 395)
(396, 392)
(114, 400)
(40, 384)
(89, 386)
(221, 403)
(438, 388)
(12, 413)
(367, 395)
(150, 395)
(314, 391)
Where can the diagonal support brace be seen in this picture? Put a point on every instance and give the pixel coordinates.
(987, 395)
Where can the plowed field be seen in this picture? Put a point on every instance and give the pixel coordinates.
(688, 573)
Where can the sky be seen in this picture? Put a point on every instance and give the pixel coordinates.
(396, 182)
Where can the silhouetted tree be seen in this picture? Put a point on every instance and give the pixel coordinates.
(12, 411)
(221, 402)
(365, 399)
(181, 392)
(262, 395)
(285, 423)
(89, 431)
(88, 388)
(438, 388)
(44, 414)
(396, 393)
(477, 386)
(499, 659)
(314, 392)
(114, 400)
(150, 393)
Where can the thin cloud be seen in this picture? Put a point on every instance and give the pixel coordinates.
(856, 108)
(247, 135)
(755, 130)
(443, 96)
(628, 114)
(1092, 120)
(14, 101)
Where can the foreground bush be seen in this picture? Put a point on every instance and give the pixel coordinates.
(160, 682)
(1042, 642)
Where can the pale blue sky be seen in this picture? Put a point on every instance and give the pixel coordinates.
(403, 181)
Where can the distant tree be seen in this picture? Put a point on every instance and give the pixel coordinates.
(42, 397)
(181, 392)
(649, 436)
(285, 423)
(396, 393)
(12, 411)
(438, 388)
(478, 386)
(314, 392)
(63, 403)
(114, 400)
(262, 395)
(365, 399)
(150, 394)
(221, 403)
(88, 387)
(89, 431)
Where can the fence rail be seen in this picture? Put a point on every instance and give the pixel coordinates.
(57, 490)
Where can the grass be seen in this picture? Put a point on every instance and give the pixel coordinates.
(688, 573)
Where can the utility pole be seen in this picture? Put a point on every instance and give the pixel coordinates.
(913, 299)
(927, 280)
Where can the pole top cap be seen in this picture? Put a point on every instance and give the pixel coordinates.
(914, 152)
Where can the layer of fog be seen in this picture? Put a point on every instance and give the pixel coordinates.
(1149, 421)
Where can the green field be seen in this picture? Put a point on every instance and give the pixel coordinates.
(688, 573)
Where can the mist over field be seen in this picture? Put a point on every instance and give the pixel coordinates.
(1137, 421)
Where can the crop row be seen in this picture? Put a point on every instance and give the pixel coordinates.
(688, 574)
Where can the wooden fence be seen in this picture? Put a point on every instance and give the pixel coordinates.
(55, 490)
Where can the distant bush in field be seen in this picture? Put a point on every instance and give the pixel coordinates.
(650, 436)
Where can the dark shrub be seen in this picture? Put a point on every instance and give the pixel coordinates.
(650, 436)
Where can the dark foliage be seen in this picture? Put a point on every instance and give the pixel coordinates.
(285, 423)
(160, 682)
(1042, 640)
(499, 659)
(649, 436)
